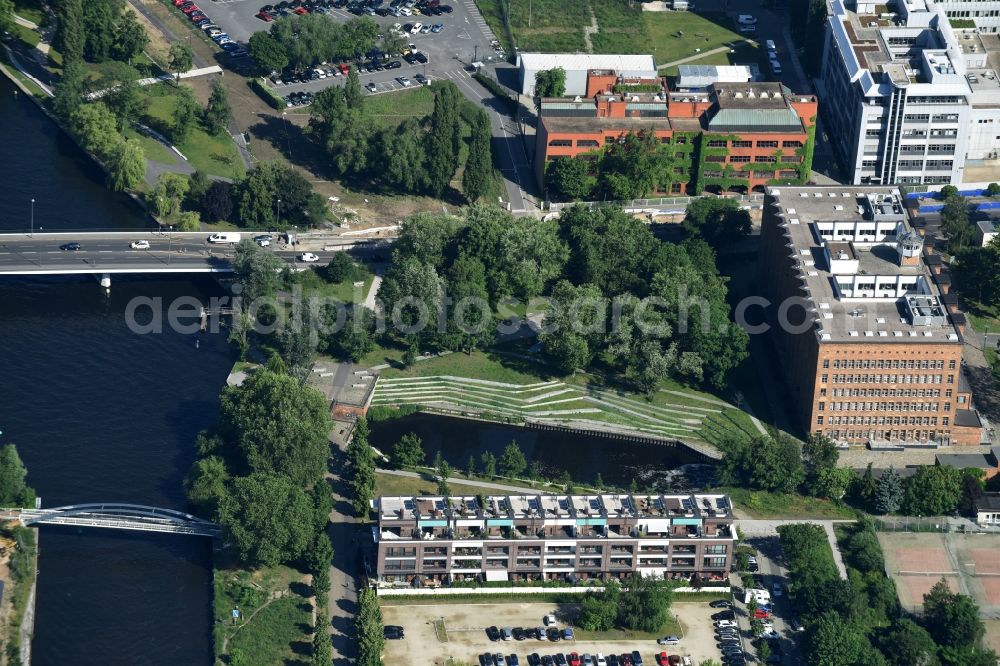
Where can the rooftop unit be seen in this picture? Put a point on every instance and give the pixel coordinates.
(883, 206)
(925, 311)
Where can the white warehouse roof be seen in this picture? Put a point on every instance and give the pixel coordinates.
(585, 61)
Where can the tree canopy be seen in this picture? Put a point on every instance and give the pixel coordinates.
(14, 490)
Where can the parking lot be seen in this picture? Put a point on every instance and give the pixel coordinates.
(771, 572)
(438, 632)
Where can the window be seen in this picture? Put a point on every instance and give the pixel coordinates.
(821, 407)
(715, 158)
(680, 140)
(819, 420)
(742, 144)
(788, 173)
(562, 143)
(791, 144)
(767, 144)
(823, 378)
(717, 144)
(765, 158)
(587, 143)
(679, 155)
(873, 133)
(739, 159)
(826, 363)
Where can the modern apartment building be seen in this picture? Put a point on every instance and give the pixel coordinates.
(433, 540)
(731, 136)
(907, 99)
(870, 340)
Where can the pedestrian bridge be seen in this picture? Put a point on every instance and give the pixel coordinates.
(118, 517)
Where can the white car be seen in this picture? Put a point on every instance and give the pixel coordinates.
(722, 624)
(139, 245)
(416, 28)
(668, 640)
(403, 81)
(770, 46)
(550, 620)
(308, 257)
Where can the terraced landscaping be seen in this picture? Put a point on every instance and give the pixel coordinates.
(685, 415)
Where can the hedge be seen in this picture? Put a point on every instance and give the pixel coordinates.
(266, 94)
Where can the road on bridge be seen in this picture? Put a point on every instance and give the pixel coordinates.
(98, 253)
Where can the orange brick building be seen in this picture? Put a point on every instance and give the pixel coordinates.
(734, 136)
(871, 352)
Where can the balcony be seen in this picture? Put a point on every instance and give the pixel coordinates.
(652, 549)
(564, 550)
(497, 550)
(621, 549)
(467, 564)
(589, 550)
(468, 551)
(559, 562)
(621, 564)
(529, 551)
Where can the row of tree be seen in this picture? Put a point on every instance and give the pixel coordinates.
(14, 488)
(420, 155)
(299, 42)
(260, 471)
(639, 603)
(858, 620)
(580, 262)
(933, 490)
(98, 30)
(369, 629)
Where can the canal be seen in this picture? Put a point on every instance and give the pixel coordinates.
(618, 461)
(99, 413)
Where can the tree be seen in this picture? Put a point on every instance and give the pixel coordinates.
(772, 464)
(206, 484)
(888, 492)
(268, 517)
(127, 166)
(721, 222)
(69, 38)
(166, 197)
(443, 473)
(570, 179)
(186, 113)
(819, 458)
(275, 424)
(322, 652)
(956, 224)
(95, 126)
(952, 618)
(180, 59)
(268, 54)
(217, 203)
(864, 488)
(13, 489)
(125, 98)
(100, 20)
(478, 172)
(993, 189)
(256, 269)
(574, 325)
(408, 451)
(470, 323)
(6, 16)
(189, 220)
(130, 38)
(906, 643)
(357, 337)
(361, 462)
(835, 641)
(489, 465)
(69, 90)
(470, 467)
(412, 295)
(512, 462)
(973, 489)
(369, 629)
(934, 490)
(550, 82)
(644, 604)
(635, 164)
(341, 268)
(599, 610)
(217, 113)
(443, 140)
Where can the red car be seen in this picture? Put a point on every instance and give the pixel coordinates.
(301, 10)
(191, 8)
(761, 614)
(662, 659)
(625, 660)
(178, 3)
(574, 659)
(265, 17)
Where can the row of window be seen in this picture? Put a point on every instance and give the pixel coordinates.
(924, 117)
(905, 435)
(888, 364)
(888, 393)
(886, 379)
(722, 143)
(881, 420)
(884, 406)
(743, 159)
(784, 173)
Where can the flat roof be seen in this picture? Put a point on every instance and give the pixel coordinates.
(858, 319)
(621, 63)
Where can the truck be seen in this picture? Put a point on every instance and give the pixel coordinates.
(225, 237)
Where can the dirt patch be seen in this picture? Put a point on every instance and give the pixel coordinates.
(987, 561)
(923, 560)
(159, 46)
(440, 632)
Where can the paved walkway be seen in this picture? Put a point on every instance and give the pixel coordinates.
(766, 528)
(344, 535)
(482, 484)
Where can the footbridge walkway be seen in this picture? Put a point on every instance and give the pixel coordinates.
(116, 516)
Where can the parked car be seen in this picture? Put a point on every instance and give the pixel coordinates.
(393, 632)
(371, 87)
(416, 28)
(506, 634)
(720, 603)
(553, 634)
(420, 57)
(404, 81)
(308, 257)
(493, 634)
(574, 659)
(636, 658)
(567, 634)
(139, 245)
(724, 615)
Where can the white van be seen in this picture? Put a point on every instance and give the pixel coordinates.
(225, 237)
(771, 48)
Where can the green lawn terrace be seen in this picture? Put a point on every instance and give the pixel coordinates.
(684, 415)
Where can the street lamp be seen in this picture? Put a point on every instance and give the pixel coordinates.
(32, 218)
(279, 213)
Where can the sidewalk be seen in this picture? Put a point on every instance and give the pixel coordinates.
(483, 484)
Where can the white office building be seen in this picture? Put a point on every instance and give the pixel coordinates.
(907, 99)
(576, 66)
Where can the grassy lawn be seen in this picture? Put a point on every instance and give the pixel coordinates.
(994, 361)
(555, 26)
(30, 10)
(275, 634)
(670, 628)
(214, 154)
(478, 365)
(27, 35)
(313, 284)
(153, 149)
(765, 505)
(25, 81)
(392, 108)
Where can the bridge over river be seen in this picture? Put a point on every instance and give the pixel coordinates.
(116, 516)
(104, 254)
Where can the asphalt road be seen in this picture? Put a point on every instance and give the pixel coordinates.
(110, 253)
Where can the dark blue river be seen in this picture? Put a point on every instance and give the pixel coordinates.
(99, 413)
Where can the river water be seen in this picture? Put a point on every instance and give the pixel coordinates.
(101, 414)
